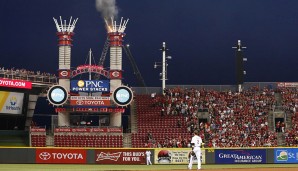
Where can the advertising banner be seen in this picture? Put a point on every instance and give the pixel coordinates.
(102, 130)
(90, 101)
(15, 83)
(90, 86)
(37, 129)
(287, 84)
(90, 109)
(62, 156)
(120, 156)
(231, 156)
(286, 155)
(11, 102)
(175, 156)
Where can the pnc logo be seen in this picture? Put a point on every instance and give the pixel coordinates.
(57, 95)
(81, 83)
(44, 156)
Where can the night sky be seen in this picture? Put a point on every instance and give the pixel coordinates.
(199, 34)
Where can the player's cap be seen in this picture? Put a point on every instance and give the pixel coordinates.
(196, 132)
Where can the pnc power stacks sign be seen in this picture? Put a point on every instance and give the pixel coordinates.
(90, 86)
(62, 156)
(120, 156)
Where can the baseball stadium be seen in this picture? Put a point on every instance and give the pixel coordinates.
(95, 121)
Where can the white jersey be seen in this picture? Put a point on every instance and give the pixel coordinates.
(197, 141)
(148, 160)
(148, 153)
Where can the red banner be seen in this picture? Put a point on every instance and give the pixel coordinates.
(120, 156)
(116, 130)
(62, 156)
(15, 83)
(90, 102)
(110, 130)
(37, 130)
(287, 84)
(103, 130)
(108, 110)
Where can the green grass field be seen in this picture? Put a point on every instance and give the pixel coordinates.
(90, 167)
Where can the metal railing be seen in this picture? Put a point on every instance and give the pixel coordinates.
(246, 85)
(28, 76)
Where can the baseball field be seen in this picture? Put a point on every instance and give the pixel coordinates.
(90, 167)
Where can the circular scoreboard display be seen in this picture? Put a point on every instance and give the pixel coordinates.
(122, 96)
(57, 95)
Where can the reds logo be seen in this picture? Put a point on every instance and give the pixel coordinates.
(64, 73)
(115, 74)
(108, 156)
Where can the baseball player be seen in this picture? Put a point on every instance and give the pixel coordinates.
(148, 157)
(196, 143)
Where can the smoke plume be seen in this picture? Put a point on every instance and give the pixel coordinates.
(107, 8)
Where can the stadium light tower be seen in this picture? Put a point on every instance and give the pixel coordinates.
(164, 66)
(240, 72)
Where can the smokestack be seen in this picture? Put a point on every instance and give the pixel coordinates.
(64, 32)
(116, 34)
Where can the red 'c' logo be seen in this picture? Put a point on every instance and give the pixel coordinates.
(64, 73)
(115, 74)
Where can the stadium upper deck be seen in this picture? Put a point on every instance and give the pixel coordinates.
(23, 74)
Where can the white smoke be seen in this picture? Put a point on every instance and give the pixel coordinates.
(107, 8)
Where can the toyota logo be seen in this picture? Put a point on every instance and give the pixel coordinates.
(80, 102)
(44, 156)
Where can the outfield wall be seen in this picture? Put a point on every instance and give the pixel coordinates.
(130, 156)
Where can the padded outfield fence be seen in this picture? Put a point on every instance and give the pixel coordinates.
(137, 156)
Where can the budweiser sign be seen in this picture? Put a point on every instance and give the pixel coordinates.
(60, 156)
(120, 156)
(108, 156)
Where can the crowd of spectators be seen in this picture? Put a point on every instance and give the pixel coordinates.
(290, 104)
(24, 74)
(168, 142)
(240, 119)
(235, 119)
